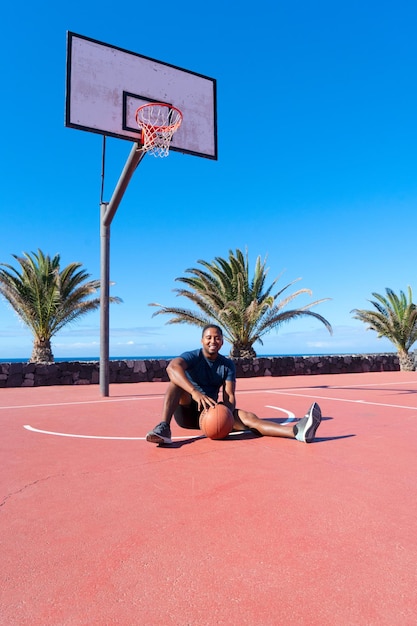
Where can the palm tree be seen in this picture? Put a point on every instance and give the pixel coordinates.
(47, 298)
(396, 319)
(244, 308)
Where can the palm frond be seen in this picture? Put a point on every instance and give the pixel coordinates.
(46, 297)
(224, 293)
(394, 317)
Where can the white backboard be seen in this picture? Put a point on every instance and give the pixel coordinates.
(106, 85)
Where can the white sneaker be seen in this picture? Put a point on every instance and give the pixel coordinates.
(305, 429)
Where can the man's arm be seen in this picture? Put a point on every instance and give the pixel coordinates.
(229, 398)
(176, 372)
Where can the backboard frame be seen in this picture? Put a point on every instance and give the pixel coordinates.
(105, 85)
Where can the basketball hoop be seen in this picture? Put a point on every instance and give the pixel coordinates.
(158, 122)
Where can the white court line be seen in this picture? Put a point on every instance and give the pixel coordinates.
(159, 396)
(78, 436)
(99, 401)
(401, 382)
(290, 418)
(326, 398)
(249, 391)
(127, 399)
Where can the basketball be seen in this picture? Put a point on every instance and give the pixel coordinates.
(217, 421)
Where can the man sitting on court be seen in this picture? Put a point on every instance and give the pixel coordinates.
(196, 378)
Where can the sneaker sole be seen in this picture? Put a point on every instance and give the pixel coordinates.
(315, 418)
(152, 438)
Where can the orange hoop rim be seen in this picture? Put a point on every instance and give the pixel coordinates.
(156, 128)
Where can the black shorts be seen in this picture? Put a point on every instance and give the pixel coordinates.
(188, 415)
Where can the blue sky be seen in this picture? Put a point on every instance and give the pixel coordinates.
(321, 178)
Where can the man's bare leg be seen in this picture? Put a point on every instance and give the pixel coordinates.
(174, 396)
(244, 420)
(304, 430)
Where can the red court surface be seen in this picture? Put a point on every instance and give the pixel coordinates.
(99, 527)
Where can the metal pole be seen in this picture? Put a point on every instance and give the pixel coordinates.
(107, 212)
(135, 156)
(104, 301)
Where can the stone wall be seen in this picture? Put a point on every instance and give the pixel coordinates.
(87, 372)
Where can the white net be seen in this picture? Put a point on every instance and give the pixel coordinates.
(158, 123)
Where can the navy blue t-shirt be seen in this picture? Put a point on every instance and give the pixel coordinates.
(208, 376)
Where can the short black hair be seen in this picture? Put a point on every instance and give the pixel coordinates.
(212, 326)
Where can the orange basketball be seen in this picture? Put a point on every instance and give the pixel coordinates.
(217, 421)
